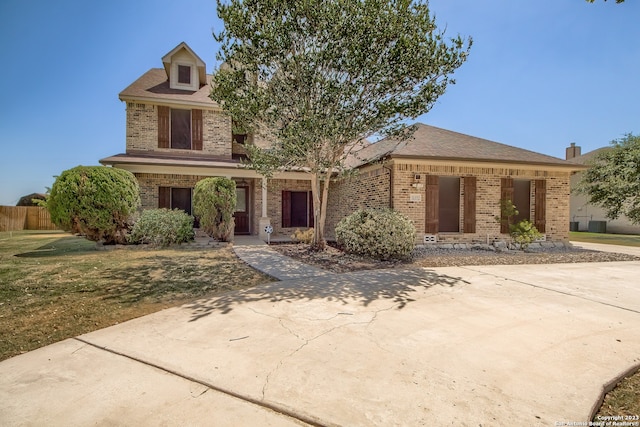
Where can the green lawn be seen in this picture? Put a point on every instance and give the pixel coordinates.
(611, 239)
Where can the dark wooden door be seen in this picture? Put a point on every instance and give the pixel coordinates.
(241, 214)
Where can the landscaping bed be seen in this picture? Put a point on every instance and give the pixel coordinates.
(333, 259)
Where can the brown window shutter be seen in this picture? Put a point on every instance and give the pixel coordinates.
(540, 214)
(431, 205)
(196, 129)
(506, 193)
(164, 197)
(286, 209)
(469, 204)
(164, 120)
(310, 204)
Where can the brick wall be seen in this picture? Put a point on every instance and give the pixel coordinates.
(369, 188)
(149, 184)
(275, 187)
(142, 132)
(487, 199)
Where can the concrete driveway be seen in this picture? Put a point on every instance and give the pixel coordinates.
(473, 346)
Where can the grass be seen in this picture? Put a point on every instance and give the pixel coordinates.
(611, 239)
(54, 285)
(623, 400)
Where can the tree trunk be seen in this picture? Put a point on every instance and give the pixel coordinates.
(320, 193)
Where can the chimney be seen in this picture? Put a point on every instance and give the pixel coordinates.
(573, 151)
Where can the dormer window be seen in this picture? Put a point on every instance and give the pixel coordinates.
(184, 74)
(185, 70)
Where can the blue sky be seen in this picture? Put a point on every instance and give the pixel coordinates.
(540, 75)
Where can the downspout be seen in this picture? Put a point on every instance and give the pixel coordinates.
(390, 185)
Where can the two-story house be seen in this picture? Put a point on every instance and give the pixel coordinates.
(449, 184)
(176, 135)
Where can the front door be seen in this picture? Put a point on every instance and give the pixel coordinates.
(241, 214)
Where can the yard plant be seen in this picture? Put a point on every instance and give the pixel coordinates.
(162, 227)
(318, 77)
(95, 201)
(214, 201)
(378, 233)
(613, 179)
(522, 232)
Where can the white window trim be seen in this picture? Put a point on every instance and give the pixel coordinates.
(174, 84)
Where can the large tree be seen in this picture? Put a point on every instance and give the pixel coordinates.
(613, 179)
(318, 76)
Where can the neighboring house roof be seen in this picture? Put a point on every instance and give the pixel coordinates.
(429, 142)
(154, 86)
(28, 199)
(587, 157)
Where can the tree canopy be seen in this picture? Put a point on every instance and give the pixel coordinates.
(318, 76)
(613, 179)
(617, 1)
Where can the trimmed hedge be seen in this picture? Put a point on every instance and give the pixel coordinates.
(378, 233)
(214, 202)
(95, 201)
(162, 227)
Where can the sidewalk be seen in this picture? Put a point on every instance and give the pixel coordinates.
(260, 256)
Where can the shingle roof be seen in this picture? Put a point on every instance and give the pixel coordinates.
(429, 142)
(588, 157)
(154, 85)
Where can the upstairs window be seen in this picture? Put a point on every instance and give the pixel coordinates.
(237, 136)
(240, 138)
(184, 74)
(179, 128)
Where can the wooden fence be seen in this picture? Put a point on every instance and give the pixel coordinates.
(15, 218)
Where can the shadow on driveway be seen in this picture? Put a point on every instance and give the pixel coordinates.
(361, 287)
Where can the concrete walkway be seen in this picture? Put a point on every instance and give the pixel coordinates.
(258, 255)
(489, 346)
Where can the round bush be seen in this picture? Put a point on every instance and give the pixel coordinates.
(95, 201)
(378, 233)
(162, 227)
(214, 202)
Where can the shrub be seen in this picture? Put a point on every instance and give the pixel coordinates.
(524, 233)
(382, 234)
(299, 236)
(214, 201)
(95, 201)
(162, 227)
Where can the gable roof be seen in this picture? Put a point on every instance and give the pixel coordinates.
(166, 60)
(429, 142)
(154, 86)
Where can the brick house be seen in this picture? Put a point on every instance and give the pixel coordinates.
(449, 184)
(176, 135)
